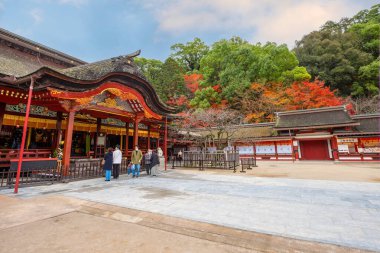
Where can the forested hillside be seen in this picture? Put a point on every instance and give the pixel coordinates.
(339, 64)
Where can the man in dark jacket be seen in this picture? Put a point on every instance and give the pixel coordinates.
(108, 161)
(154, 163)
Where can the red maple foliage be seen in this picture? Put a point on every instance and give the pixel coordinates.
(181, 101)
(307, 95)
(192, 81)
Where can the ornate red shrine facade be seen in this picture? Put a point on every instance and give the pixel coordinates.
(87, 107)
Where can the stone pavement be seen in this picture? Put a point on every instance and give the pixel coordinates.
(340, 213)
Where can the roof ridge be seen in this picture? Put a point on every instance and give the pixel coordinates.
(128, 57)
(322, 109)
(363, 116)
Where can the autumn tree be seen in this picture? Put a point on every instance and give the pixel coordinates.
(217, 125)
(308, 95)
(192, 81)
(235, 64)
(260, 102)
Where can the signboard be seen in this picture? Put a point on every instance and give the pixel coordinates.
(347, 140)
(101, 140)
(265, 149)
(284, 149)
(245, 150)
(343, 148)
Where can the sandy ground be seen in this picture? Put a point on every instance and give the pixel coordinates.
(316, 170)
(62, 224)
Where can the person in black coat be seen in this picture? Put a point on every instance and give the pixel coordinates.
(108, 161)
(154, 163)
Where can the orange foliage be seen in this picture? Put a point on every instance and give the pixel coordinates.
(217, 88)
(192, 81)
(181, 101)
(307, 95)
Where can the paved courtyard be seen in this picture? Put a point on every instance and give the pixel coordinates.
(340, 213)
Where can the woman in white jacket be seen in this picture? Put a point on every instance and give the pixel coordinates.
(117, 156)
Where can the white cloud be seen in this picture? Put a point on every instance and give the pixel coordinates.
(266, 20)
(36, 15)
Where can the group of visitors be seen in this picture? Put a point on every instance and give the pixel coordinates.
(112, 161)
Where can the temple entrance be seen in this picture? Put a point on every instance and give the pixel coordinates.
(113, 140)
(314, 150)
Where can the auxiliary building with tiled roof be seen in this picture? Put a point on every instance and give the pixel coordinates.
(329, 133)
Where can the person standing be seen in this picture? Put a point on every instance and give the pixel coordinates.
(154, 163)
(136, 160)
(117, 157)
(180, 155)
(108, 160)
(147, 165)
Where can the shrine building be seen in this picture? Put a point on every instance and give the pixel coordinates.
(329, 133)
(86, 107)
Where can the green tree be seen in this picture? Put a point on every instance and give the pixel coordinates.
(151, 68)
(368, 80)
(190, 54)
(170, 82)
(166, 78)
(297, 74)
(235, 64)
(338, 52)
(204, 98)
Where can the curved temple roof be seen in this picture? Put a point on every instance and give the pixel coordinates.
(92, 77)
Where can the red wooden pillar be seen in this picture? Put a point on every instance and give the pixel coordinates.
(68, 142)
(334, 147)
(58, 137)
(254, 150)
(135, 132)
(275, 150)
(126, 138)
(2, 113)
(166, 142)
(21, 154)
(148, 137)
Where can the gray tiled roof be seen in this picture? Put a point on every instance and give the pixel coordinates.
(369, 123)
(93, 71)
(13, 63)
(313, 118)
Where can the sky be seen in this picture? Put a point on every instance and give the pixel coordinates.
(93, 30)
